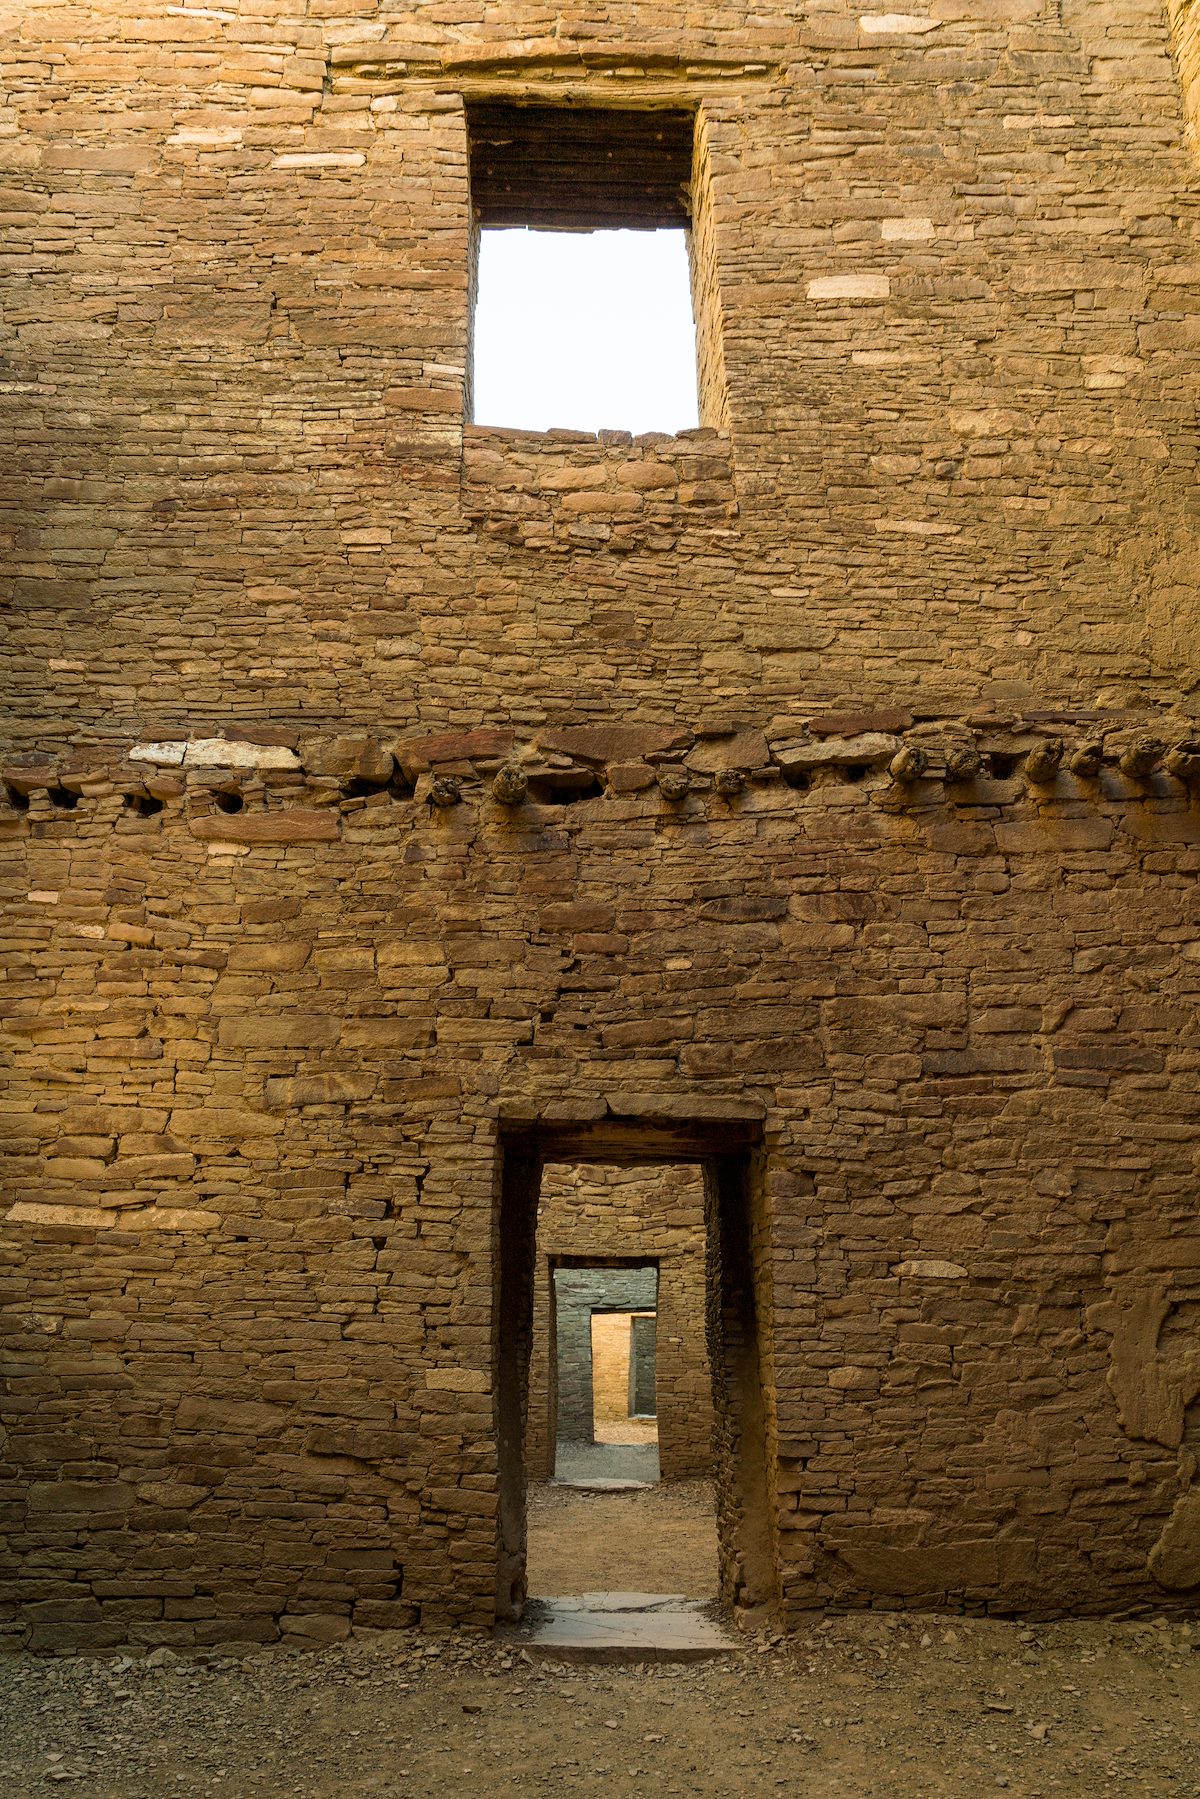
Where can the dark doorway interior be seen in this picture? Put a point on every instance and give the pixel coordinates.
(736, 1298)
(642, 1396)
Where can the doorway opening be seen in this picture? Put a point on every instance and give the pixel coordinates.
(624, 1400)
(631, 1280)
(601, 1376)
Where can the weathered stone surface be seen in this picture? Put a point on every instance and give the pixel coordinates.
(350, 755)
(855, 724)
(742, 750)
(1175, 1558)
(80, 1497)
(612, 743)
(294, 825)
(170, 1218)
(247, 1417)
(295, 1030)
(457, 1380)
(223, 752)
(1153, 1388)
(92, 1217)
(276, 1031)
(415, 755)
(320, 1089)
(169, 755)
(963, 1566)
(865, 285)
(870, 746)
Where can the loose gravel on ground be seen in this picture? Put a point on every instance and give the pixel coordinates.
(885, 1707)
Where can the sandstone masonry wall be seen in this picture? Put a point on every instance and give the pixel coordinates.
(953, 261)
(256, 1078)
(849, 767)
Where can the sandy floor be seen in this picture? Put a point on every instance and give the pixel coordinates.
(660, 1541)
(863, 1708)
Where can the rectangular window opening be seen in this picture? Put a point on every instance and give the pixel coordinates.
(585, 279)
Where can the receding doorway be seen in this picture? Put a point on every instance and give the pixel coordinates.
(656, 1287)
(624, 1378)
(601, 1366)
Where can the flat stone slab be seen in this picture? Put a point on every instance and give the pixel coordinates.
(622, 1627)
(606, 1462)
(598, 1483)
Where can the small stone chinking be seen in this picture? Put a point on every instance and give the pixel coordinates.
(366, 771)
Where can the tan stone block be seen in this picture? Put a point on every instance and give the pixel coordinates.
(611, 742)
(153, 1168)
(127, 1049)
(930, 1271)
(347, 756)
(869, 747)
(221, 752)
(217, 1121)
(315, 1627)
(75, 1168)
(602, 504)
(320, 1090)
(863, 286)
(243, 1417)
(1051, 835)
(416, 754)
(742, 749)
(91, 1217)
(457, 1380)
(273, 958)
(574, 480)
(171, 1218)
(285, 1030)
(80, 1498)
(294, 825)
(630, 777)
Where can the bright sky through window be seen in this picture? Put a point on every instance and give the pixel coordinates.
(589, 330)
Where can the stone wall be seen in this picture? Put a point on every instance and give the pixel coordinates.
(256, 1084)
(656, 1213)
(951, 272)
(854, 778)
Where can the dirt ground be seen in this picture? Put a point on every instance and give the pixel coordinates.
(660, 1541)
(872, 1706)
(860, 1708)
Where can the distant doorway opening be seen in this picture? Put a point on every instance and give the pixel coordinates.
(602, 1401)
(724, 1162)
(624, 1402)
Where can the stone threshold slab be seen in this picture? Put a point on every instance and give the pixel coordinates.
(602, 1483)
(622, 1627)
